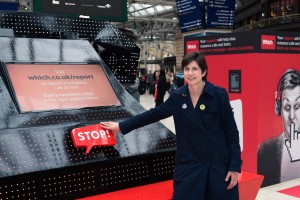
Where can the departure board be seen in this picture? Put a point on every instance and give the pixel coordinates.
(220, 14)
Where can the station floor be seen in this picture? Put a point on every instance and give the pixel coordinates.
(289, 190)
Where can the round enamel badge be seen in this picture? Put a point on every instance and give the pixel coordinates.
(202, 107)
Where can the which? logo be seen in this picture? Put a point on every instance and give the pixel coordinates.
(192, 46)
(268, 42)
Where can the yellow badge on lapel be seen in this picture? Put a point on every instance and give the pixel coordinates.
(202, 107)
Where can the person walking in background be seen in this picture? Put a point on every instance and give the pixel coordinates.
(170, 80)
(149, 81)
(142, 86)
(155, 77)
(208, 155)
(142, 78)
(162, 87)
(133, 89)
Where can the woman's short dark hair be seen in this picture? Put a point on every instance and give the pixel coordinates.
(199, 58)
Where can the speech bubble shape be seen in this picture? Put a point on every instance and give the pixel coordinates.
(90, 136)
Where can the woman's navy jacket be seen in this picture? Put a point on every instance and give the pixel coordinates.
(207, 142)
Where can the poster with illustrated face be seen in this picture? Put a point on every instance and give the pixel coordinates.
(279, 156)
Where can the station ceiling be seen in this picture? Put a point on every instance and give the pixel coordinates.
(154, 20)
(151, 20)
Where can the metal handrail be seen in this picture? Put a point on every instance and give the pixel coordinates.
(262, 24)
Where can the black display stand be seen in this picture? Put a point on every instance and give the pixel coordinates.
(37, 156)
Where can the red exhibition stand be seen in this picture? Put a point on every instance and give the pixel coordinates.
(249, 184)
(249, 65)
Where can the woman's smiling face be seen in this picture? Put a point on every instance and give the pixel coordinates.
(193, 73)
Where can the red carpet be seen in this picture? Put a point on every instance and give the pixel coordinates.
(293, 191)
(249, 184)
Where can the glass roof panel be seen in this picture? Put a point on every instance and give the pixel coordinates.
(141, 13)
(130, 9)
(150, 10)
(146, 9)
(137, 6)
(159, 8)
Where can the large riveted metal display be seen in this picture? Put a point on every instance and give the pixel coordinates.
(37, 157)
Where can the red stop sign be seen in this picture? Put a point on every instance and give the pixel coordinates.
(94, 135)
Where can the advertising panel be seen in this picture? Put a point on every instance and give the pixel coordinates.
(248, 42)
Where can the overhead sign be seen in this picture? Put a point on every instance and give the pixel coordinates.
(191, 15)
(98, 9)
(220, 14)
(9, 6)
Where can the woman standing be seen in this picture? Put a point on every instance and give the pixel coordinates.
(155, 81)
(208, 156)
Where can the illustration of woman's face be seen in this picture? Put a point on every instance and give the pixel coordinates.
(291, 109)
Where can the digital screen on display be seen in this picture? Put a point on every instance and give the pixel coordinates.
(235, 81)
(42, 87)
